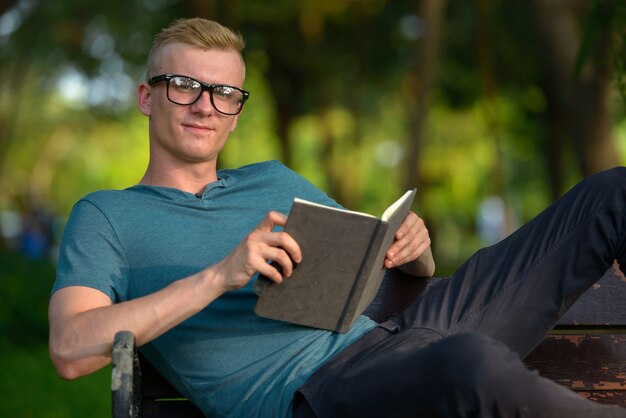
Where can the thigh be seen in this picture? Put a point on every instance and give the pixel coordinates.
(358, 382)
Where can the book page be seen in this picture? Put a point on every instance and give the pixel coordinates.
(388, 213)
(307, 202)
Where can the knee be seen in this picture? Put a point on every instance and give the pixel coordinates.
(618, 171)
(606, 189)
(612, 179)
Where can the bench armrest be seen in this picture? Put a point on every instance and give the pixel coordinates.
(125, 377)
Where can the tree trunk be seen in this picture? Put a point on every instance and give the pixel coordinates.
(426, 57)
(578, 101)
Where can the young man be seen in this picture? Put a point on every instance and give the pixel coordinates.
(173, 260)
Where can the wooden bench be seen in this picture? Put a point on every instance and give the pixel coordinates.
(585, 352)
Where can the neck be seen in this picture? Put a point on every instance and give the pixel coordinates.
(192, 178)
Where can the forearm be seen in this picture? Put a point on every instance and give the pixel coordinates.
(422, 266)
(81, 340)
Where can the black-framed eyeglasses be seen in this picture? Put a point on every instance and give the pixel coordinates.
(185, 91)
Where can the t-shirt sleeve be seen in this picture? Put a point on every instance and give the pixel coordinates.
(91, 254)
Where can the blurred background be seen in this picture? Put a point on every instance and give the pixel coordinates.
(491, 108)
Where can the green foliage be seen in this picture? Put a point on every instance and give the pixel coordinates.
(29, 385)
(31, 389)
(602, 14)
(619, 56)
(25, 287)
(334, 86)
(63, 153)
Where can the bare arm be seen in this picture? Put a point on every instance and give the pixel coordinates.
(411, 250)
(83, 321)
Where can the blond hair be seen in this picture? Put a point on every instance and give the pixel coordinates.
(198, 32)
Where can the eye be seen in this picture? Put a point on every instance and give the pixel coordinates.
(227, 93)
(185, 83)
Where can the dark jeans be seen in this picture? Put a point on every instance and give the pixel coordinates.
(456, 351)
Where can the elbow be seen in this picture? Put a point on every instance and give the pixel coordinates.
(68, 373)
(66, 370)
(64, 365)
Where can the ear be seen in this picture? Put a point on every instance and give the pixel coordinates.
(144, 99)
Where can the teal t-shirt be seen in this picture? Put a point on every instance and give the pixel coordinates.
(133, 242)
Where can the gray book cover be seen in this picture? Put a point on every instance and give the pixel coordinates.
(341, 269)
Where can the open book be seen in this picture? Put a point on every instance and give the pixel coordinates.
(342, 266)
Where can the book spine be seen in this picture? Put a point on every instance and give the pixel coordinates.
(350, 310)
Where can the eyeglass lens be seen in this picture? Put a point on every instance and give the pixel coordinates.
(185, 91)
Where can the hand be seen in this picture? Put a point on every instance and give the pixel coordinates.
(253, 253)
(411, 242)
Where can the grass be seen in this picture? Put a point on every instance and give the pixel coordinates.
(31, 388)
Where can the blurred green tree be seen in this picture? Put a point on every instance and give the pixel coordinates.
(464, 100)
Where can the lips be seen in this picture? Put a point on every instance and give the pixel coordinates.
(197, 127)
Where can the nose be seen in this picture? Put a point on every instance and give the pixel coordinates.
(203, 104)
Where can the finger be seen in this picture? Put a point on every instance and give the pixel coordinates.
(270, 272)
(411, 252)
(406, 250)
(408, 226)
(279, 256)
(286, 242)
(277, 246)
(271, 220)
(407, 233)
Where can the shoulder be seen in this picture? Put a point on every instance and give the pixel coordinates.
(114, 198)
(102, 203)
(263, 174)
(269, 178)
(101, 197)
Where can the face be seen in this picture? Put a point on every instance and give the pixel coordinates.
(195, 133)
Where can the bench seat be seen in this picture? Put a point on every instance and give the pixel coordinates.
(586, 351)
